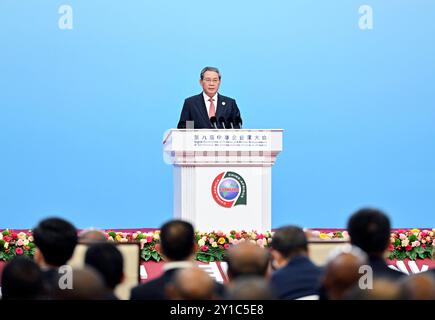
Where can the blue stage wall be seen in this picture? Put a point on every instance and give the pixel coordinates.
(86, 97)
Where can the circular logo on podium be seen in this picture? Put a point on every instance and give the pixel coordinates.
(229, 189)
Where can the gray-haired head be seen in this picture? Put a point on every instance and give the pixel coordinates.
(210, 69)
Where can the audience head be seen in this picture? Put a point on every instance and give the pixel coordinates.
(108, 261)
(177, 240)
(287, 242)
(369, 229)
(191, 284)
(250, 288)
(87, 284)
(92, 236)
(342, 272)
(247, 259)
(21, 279)
(55, 240)
(418, 287)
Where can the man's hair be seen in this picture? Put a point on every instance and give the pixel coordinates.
(56, 239)
(289, 240)
(247, 259)
(177, 239)
(209, 69)
(108, 261)
(369, 229)
(21, 279)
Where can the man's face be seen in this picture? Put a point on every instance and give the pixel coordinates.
(210, 83)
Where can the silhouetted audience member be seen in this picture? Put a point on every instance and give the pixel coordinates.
(86, 284)
(191, 284)
(109, 262)
(92, 236)
(296, 275)
(250, 288)
(247, 259)
(21, 279)
(55, 241)
(342, 273)
(369, 229)
(178, 247)
(418, 287)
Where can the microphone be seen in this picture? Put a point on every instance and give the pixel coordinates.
(230, 123)
(239, 122)
(222, 122)
(213, 121)
(181, 124)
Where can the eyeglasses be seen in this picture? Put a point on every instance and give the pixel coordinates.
(211, 80)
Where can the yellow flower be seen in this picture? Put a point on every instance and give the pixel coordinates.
(221, 240)
(415, 230)
(118, 237)
(323, 235)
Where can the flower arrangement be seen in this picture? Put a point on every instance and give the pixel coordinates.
(15, 244)
(333, 235)
(412, 244)
(212, 246)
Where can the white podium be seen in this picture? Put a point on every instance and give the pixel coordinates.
(223, 178)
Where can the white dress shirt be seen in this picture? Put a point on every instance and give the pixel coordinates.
(207, 103)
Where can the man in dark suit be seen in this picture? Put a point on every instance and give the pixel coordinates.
(177, 243)
(178, 247)
(55, 241)
(296, 276)
(208, 104)
(369, 229)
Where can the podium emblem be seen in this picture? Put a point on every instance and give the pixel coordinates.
(229, 189)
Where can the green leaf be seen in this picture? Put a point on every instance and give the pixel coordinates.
(146, 255)
(412, 255)
(155, 255)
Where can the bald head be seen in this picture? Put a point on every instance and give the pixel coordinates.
(341, 275)
(92, 236)
(418, 287)
(247, 259)
(191, 284)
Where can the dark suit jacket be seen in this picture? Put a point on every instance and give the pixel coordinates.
(154, 289)
(194, 109)
(299, 278)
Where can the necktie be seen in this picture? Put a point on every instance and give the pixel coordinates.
(212, 110)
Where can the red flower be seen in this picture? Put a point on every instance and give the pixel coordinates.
(150, 239)
(391, 247)
(260, 236)
(19, 251)
(157, 246)
(14, 236)
(408, 247)
(7, 238)
(238, 236)
(204, 248)
(226, 246)
(423, 245)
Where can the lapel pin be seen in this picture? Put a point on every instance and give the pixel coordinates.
(223, 103)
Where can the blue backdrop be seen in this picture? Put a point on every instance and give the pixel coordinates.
(83, 110)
